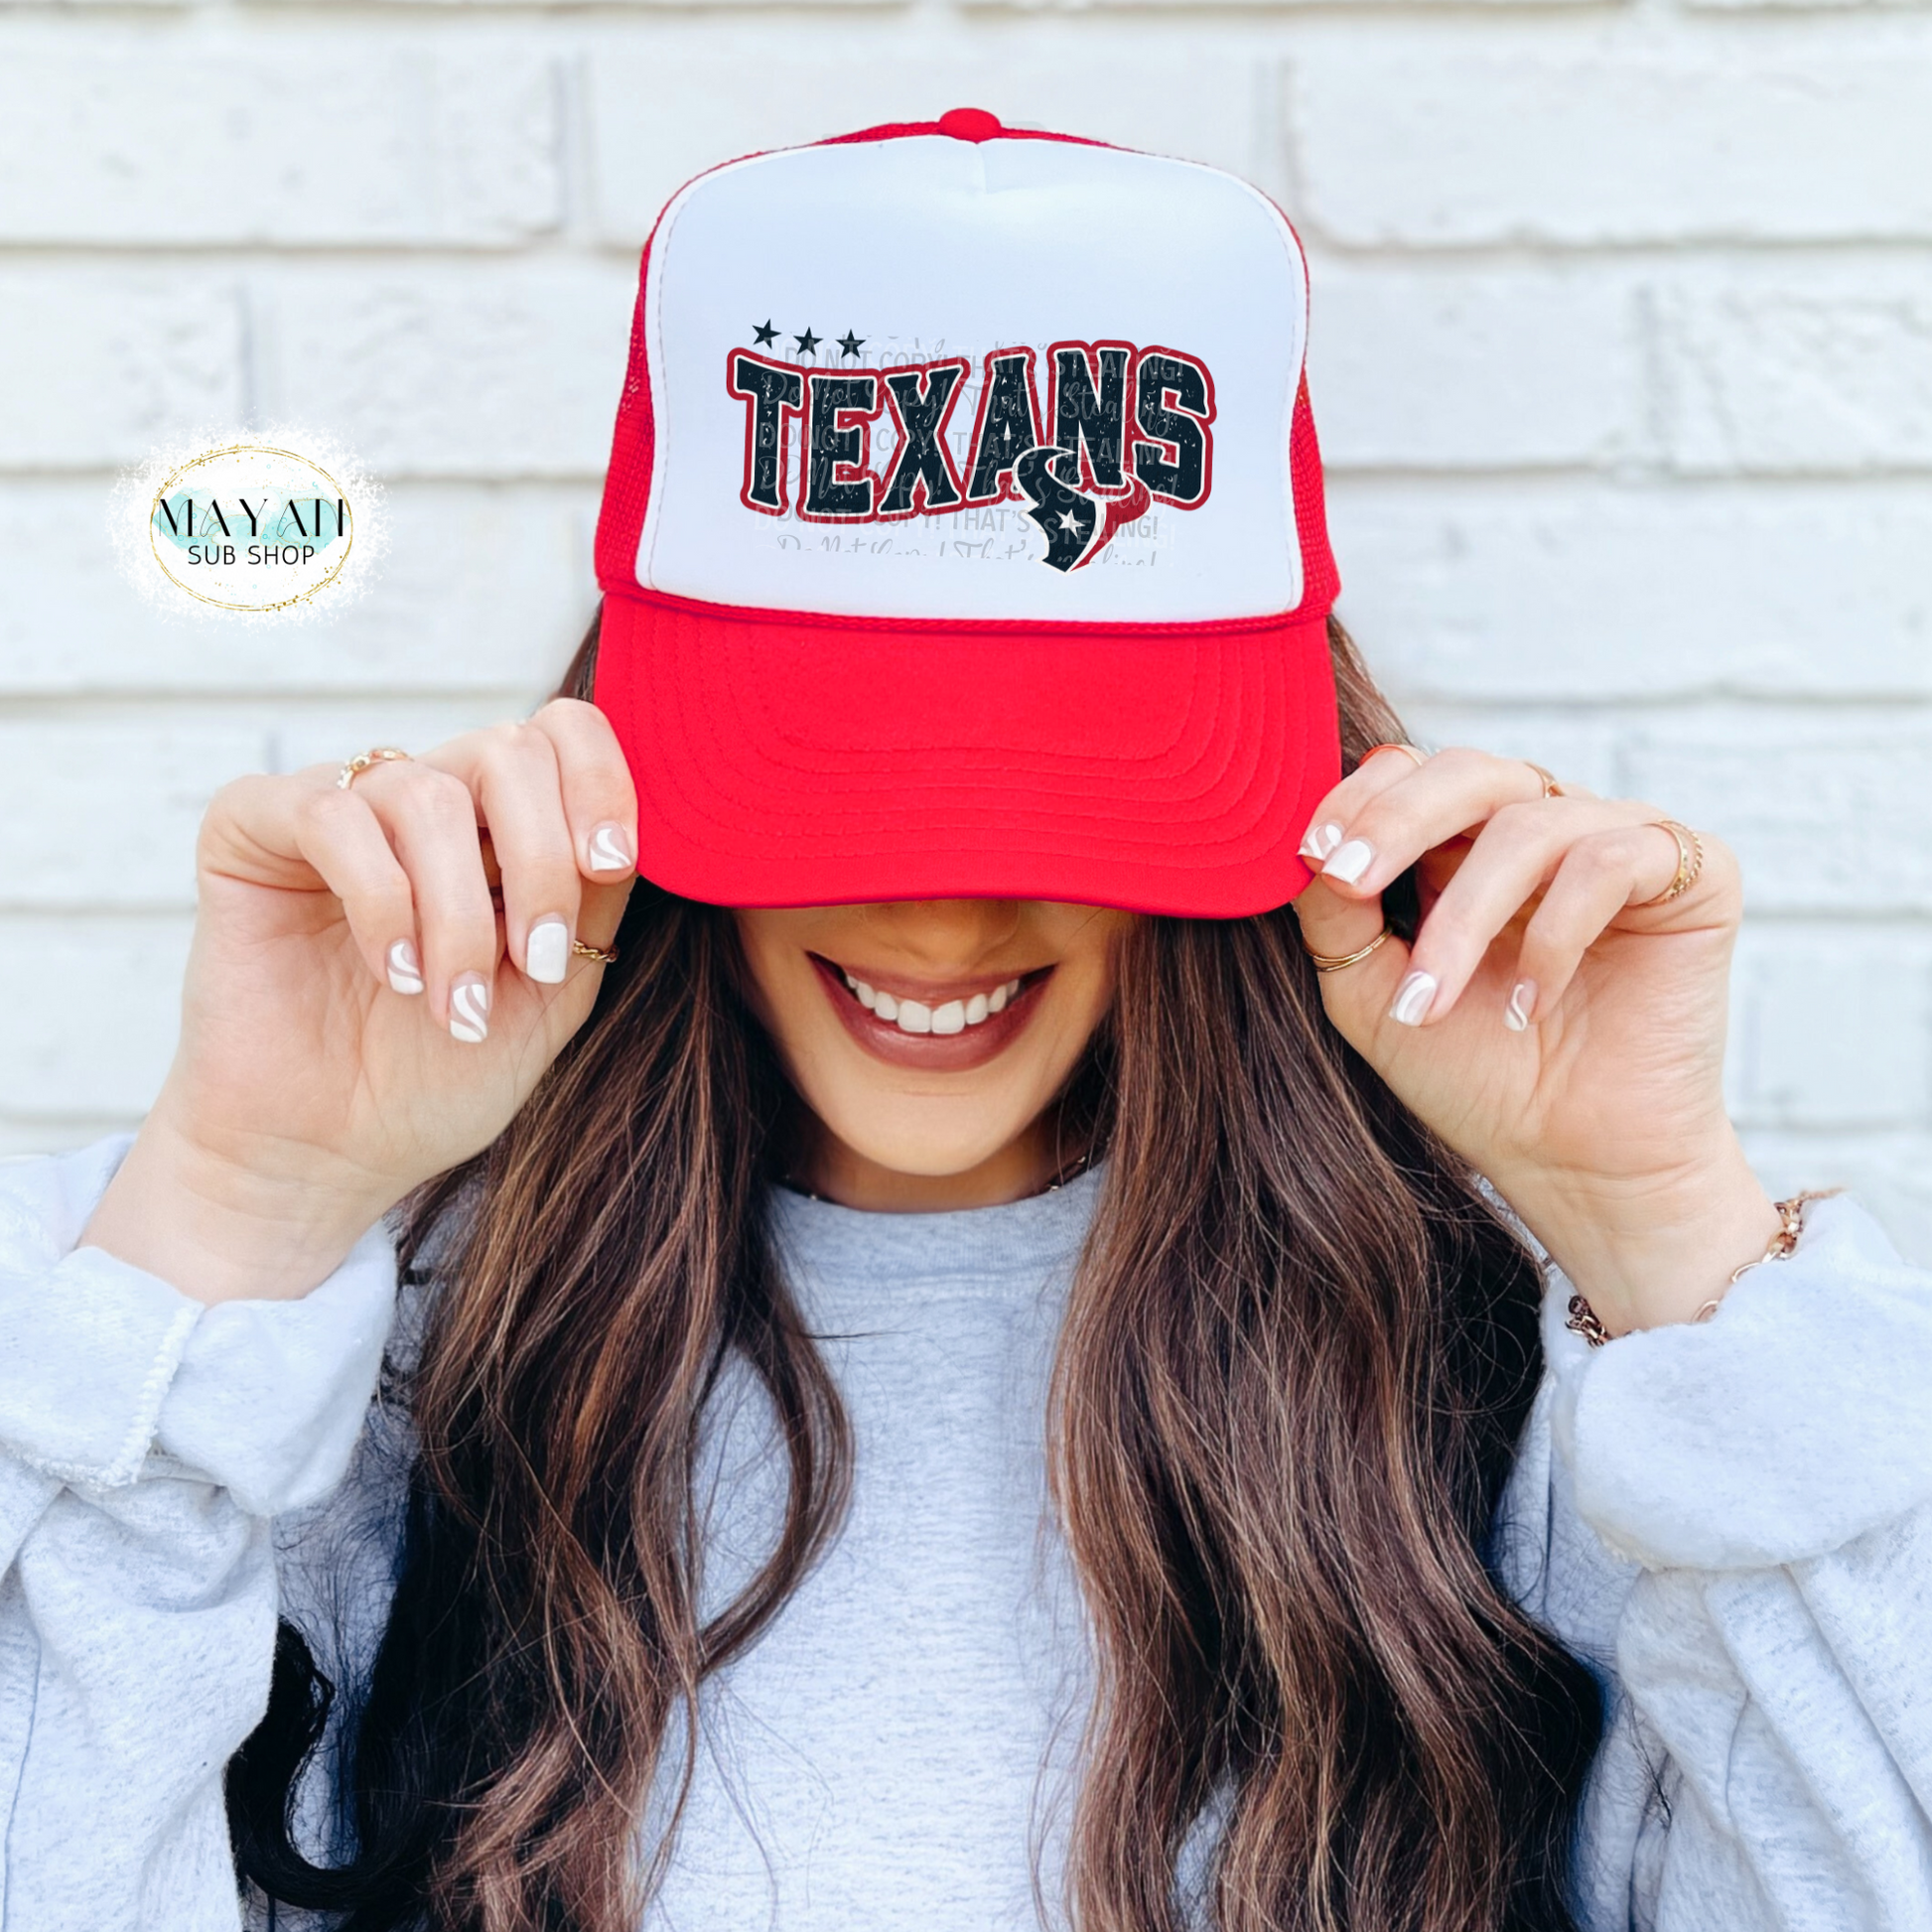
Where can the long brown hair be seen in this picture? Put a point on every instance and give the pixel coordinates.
(1299, 1348)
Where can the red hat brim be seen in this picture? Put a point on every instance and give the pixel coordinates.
(800, 759)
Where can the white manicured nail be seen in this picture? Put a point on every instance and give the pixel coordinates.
(1320, 841)
(1522, 1003)
(470, 1009)
(1411, 999)
(406, 969)
(610, 849)
(546, 953)
(1347, 863)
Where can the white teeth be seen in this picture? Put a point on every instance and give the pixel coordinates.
(915, 1016)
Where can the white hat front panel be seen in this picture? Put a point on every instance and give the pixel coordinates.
(1011, 380)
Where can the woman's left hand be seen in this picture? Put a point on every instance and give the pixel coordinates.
(1558, 1031)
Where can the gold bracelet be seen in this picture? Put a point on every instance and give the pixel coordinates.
(1582, 1318)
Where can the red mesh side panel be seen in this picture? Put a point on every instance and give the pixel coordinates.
(1320, 581)
(626, 482)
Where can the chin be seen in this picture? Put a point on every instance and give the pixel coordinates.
(929, 1157)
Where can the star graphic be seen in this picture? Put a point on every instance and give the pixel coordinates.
(808, 343)
(1069, 522)
(764, 332)
(851, 344)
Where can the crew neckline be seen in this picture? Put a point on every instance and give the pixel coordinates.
(839, 1243)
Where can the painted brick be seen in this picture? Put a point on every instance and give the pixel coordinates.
(1529, 592)
(324, 730)
(1459, 367)
(1475, 137)
(96, 1006)
(128, 842)
(480, 590)
(658, 118)
(1581, 749)
(121, 357)
(105, 813)
(1828, 812)
(1890, 1174)
(1832, 1027)
(448, 7)
(1770, 368)
(1258, 6)
(1802, 6)
(479, 368)
(295, 140)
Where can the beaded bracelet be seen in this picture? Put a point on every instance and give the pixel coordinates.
(1791, 1219)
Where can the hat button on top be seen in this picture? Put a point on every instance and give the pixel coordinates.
(970, 124)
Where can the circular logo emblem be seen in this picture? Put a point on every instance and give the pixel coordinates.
(275, 523)
(251, 528)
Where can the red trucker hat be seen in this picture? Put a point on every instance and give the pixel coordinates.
(963, 534)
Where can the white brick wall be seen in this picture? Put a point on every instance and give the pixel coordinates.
(1623, 359)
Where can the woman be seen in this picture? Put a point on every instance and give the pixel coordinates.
(960, 1403)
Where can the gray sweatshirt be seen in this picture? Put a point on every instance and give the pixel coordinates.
(1729, 1522)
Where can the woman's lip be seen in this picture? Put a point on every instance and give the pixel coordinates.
(947, 1052)
(931, 992)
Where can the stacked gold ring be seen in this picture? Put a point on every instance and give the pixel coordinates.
(1690, 862)
(360, 762)
(1334, 962)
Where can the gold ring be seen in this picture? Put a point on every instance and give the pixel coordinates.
(1690, 862)
(607, 957)
(1334, 962)
(1550, 789)
(1393, 745)
(362, 762)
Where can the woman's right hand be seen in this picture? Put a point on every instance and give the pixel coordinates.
(312, 1088)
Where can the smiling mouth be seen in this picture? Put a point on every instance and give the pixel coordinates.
(965, 1012)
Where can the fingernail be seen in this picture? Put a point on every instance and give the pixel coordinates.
(469, 1007)
(1522, 1004)
(546, 953)
(1349, 862)
(406, 969)
(1320, 841)
(610, 849)
(1411, 999)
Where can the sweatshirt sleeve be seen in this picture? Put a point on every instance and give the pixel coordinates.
(1764, 1481)
(146, 1441)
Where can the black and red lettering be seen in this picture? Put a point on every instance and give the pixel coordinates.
(1007, 425)
(1122, 426)
(922, 476)
(1173, 403)
(840, 408)
(1088, 409)
(773, 393)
